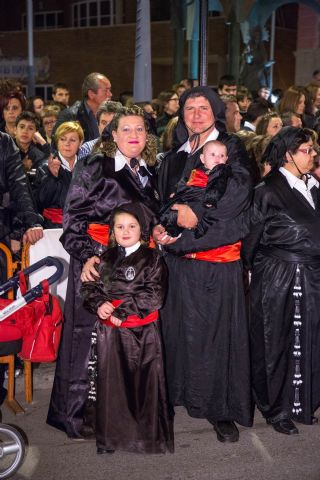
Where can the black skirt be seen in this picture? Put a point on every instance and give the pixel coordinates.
(132, 411)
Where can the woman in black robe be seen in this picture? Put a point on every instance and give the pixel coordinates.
(204, 321)
(119, 174)
(283, 252)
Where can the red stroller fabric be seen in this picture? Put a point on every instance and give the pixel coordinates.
(41, 340)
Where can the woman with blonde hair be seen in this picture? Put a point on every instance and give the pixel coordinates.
(52, 181)
(119, 173)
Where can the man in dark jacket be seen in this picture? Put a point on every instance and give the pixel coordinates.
(96, 88)
(27, 222)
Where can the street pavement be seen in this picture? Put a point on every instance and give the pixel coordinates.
(261, 453)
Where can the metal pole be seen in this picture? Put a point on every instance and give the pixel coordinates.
(31, 70)
(272, 42)
(142, 87)
(203, 74)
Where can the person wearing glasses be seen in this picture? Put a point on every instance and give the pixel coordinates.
(282, 251)
(96, 88)
(169, 106)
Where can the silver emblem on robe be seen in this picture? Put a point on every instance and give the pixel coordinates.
(130, 273)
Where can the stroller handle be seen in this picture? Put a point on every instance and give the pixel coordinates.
(35, 292)
(47, 262)
(44, 262)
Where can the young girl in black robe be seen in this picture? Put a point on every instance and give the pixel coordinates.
(131, 399)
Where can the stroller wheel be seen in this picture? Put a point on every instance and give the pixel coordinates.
(12, 450)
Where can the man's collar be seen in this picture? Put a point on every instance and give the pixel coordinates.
(186, 147)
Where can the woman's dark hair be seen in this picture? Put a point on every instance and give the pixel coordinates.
(288, 139)
(4, 100)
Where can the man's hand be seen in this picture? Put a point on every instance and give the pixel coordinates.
(186, 217)
(27, 163)
(54, 165)
(32, 235)
(161, 237)
(89, 273)
(15, 246)
(105, 310)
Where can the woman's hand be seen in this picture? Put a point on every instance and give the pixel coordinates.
(54, 165)
(105, 310)
(186, 217)
(115, 321)
(161, 237)
(89, 273)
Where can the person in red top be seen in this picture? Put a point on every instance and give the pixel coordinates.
(132, 411)
(207, 184)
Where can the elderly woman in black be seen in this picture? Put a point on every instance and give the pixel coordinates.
(283, 253)
(120, 173)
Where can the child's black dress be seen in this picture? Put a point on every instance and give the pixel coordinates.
(132, 411)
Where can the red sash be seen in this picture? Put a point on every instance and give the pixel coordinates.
(99, 233)
(132, 320)
(198, 178)
(55, 215)
(227, 253)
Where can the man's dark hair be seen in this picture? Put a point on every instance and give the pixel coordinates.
(108, 107)
(256, 109)
(286, 118)
(316, 72)
(228, 80)
(59, 85)
(29, 117)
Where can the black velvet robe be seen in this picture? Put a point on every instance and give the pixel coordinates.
(283, 251)
(132, 411)
(204, 320)
(96, 189)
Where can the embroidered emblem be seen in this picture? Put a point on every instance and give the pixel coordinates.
(130, 273)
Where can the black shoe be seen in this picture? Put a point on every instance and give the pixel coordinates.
(285, 426)
(226, 431)
(101, 451)
(314, 420)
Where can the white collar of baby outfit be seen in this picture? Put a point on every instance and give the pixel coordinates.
(132, 249)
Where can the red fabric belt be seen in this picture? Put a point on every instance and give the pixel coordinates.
(227, 253)
(99, 233)
(198, 178)
(132, 321)
(55, 215)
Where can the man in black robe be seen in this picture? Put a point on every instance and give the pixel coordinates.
(204, 322)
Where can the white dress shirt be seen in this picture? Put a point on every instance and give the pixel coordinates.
(300, 185)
